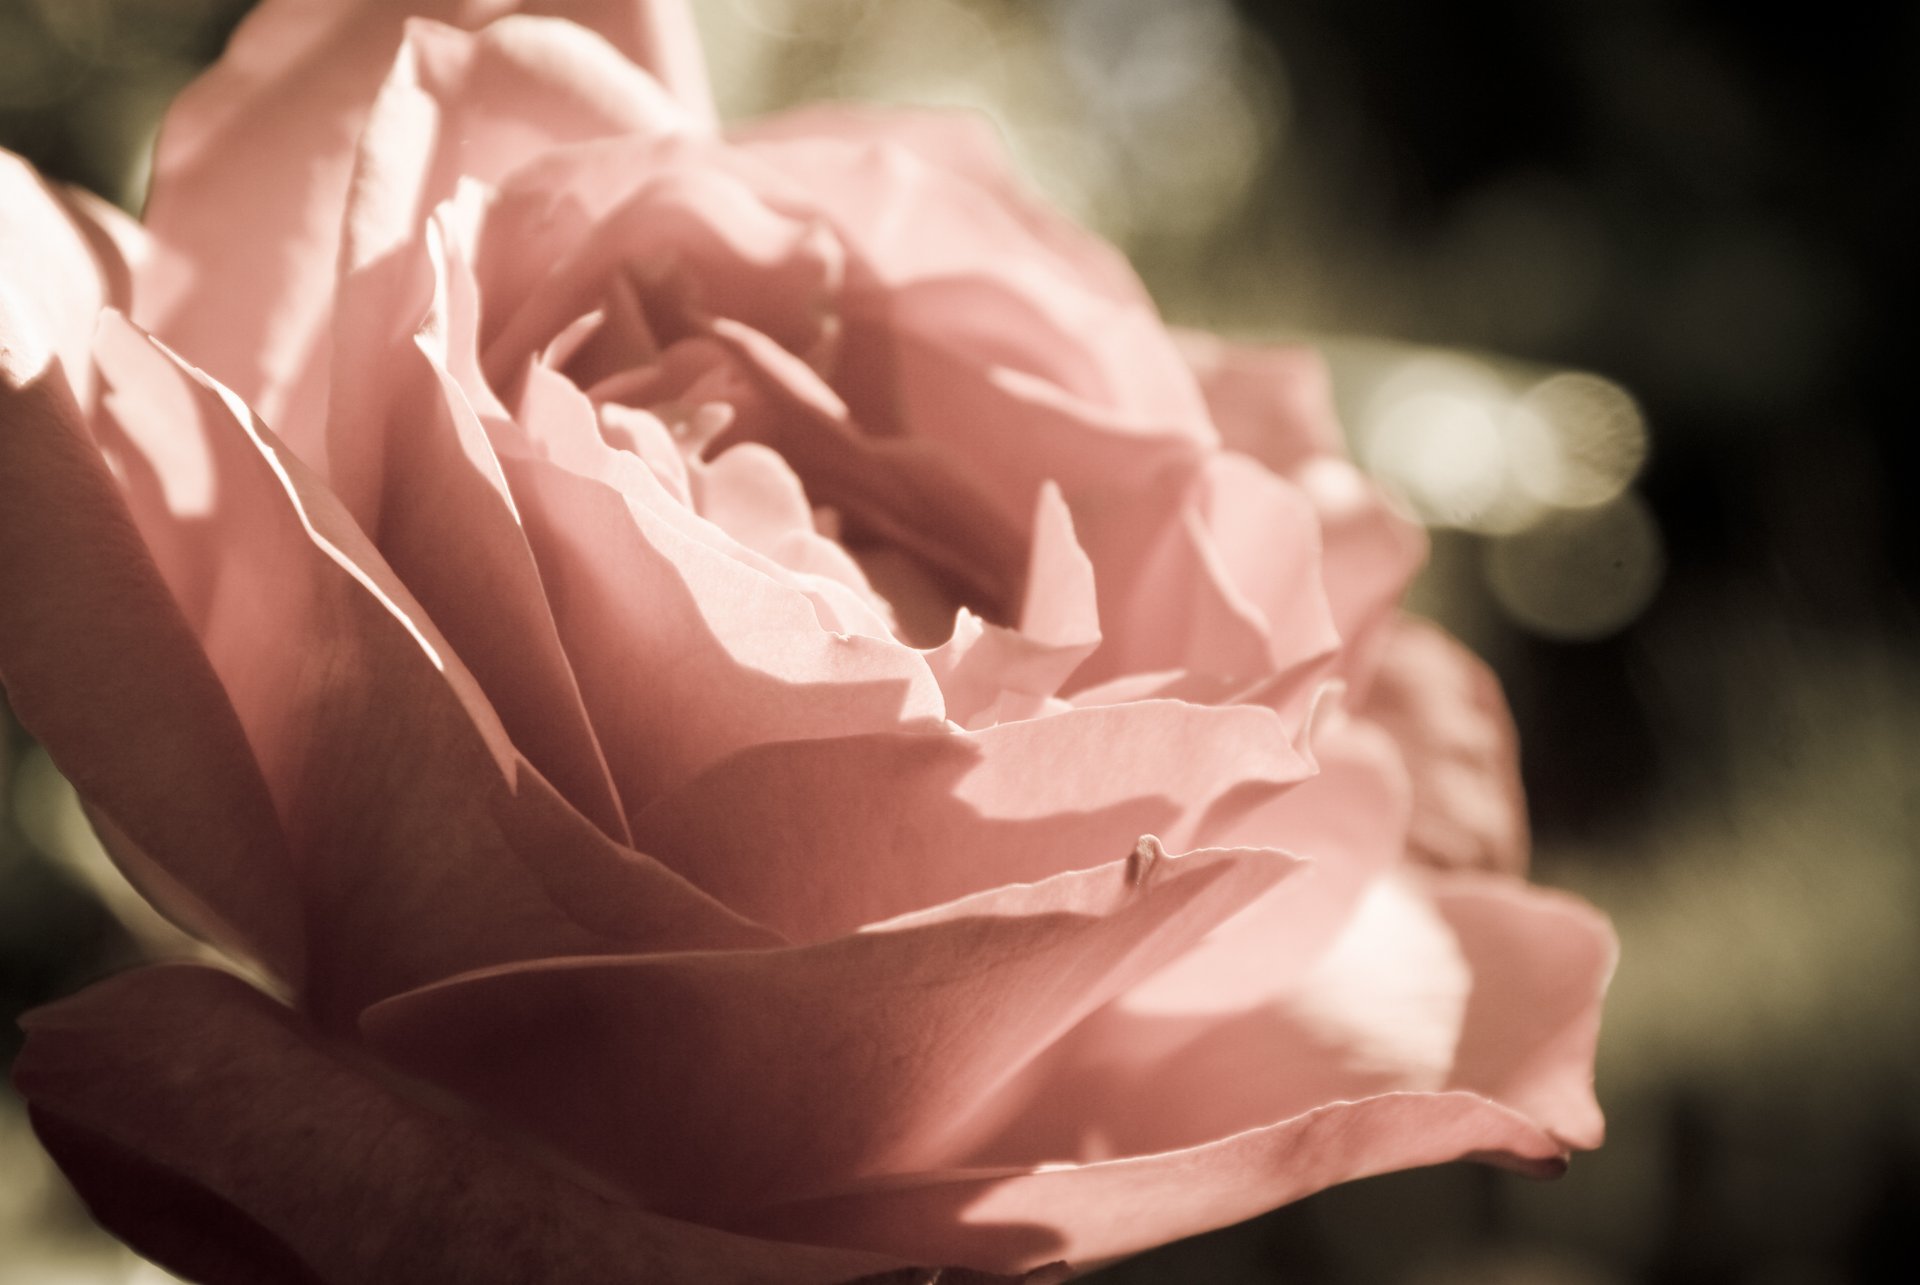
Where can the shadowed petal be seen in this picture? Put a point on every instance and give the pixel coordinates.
(102, 668)
(218, 1134)
(707, 1082)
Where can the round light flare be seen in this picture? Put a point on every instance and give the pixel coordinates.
(1579, 574)
(1575, 441)
(1444, 451)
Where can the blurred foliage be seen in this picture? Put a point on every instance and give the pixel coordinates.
(1706, 203)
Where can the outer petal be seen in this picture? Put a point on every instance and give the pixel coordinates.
(255, 159)
(1532, 1024)
(1192, 1054)
(709, 1082)
(100, 665)
(218, 1134)
(1517, 1090)
(1443, 705)
(1275, 404)
(407, 452)
(1088, 1214)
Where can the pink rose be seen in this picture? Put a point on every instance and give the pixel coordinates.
(749, 712)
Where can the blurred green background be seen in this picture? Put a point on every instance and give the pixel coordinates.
(1618, 295)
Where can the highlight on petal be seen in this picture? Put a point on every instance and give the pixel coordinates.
(220, 1135)
(52, 284)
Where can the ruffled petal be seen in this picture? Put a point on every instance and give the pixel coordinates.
(1168, 598)
(685, 653)
(706, 1083)
(818, 838)
(219, 1135)
(1444, 706)
(696, 244)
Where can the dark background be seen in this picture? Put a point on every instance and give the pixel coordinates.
(1712, 204)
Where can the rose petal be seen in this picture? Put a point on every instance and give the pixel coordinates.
(750, 493)
(1275, 403)
(1168, 601)
(698, 244)
(1518, 1093)
(787, 1070)
(684, 653)
(951, 378)
(52, 283)
(908, 223)
(434, 500)
(1091, 1214)
(456, 107)
(254, 162)
(101, 667)
(385, 761)
(1226, 1040)
(1189, 1055)
(913, 496)
(1444, 706)
(966, 145)
(817, 838)
(121, 247)
(221, 1136)
(990, 674)
(1267, 540)
(1543, 960)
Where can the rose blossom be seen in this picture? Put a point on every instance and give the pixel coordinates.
(752, 714)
